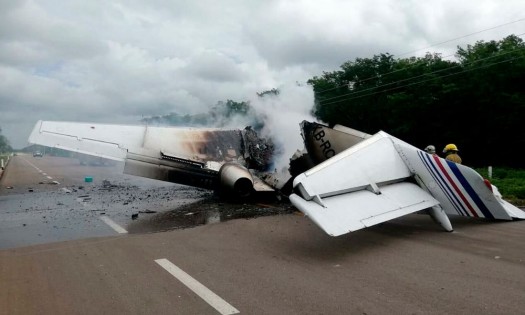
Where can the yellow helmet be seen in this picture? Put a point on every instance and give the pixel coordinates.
(450, 147)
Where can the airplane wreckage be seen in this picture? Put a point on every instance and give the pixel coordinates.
(344, 180)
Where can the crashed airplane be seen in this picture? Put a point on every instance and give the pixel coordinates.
(344, 181)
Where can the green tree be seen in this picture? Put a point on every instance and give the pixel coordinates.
(4, 144)
(477, 102)
(378, 93)
(495, 77)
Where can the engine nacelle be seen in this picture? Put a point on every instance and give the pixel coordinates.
(236, 179)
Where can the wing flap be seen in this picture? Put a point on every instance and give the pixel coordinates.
(360, 209)
(368, 164)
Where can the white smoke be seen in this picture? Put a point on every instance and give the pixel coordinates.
(282, 114)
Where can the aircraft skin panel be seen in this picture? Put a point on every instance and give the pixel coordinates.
(196, 144)
(351, 131)
(357, 210)
(371, 162)
(323, 142)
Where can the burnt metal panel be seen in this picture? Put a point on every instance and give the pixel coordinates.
(323, 142)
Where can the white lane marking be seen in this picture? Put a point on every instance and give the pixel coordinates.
(33, 165)
(206, 294)
(40, 171)
(113, 225)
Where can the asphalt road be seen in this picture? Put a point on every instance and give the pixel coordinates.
(255, 264)
(47, 199)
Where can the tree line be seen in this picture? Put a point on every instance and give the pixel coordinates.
(5, 147)
(476, 102)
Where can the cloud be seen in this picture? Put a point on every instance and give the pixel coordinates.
(115, 61)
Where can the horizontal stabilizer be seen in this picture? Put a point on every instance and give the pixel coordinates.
(360, 209)
(367, 184)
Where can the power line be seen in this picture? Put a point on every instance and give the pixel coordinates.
(422, 75)
(386, 73)
(414, 83)
(450, 40)
(375, 77)
(436, 44)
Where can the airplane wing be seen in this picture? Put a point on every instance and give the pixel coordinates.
(206, 157)
(107, 141)
(381, 178)
(360, 187)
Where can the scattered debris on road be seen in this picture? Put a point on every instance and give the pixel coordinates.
(147, 211)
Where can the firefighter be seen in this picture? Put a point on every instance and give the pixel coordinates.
(451, 153)
(430, 149)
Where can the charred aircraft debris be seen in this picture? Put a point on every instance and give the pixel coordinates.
(343, 179)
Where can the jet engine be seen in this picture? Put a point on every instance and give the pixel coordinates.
(235, 179)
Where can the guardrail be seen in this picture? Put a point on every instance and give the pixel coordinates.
(2, 163)
(4, 160)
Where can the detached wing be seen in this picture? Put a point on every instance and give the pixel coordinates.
(365, 185)
(186, 156)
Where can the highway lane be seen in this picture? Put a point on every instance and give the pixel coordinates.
(26, 172)
(279, 264)
(47, 200)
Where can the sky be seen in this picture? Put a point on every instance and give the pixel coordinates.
(118, 61)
